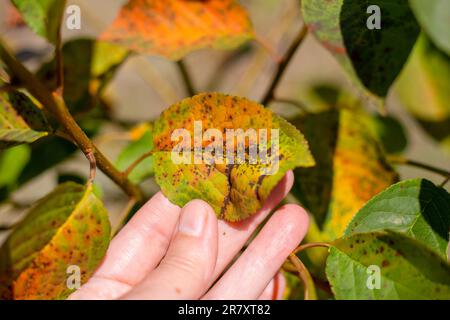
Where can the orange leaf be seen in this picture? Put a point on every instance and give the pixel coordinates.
(173, 28)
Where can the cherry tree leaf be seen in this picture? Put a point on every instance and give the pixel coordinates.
(351, 168)
(407, 269)
(434, 17)
(372, 58)
(415, 207)
(133, 152)
(174, 28)
(68, 228)
(43, 16)
(21, 121)
(424, 89)
(234, 190)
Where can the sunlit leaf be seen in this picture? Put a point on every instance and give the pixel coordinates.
(89, 66)
(375, 57)
(415, 207)
(235, 191)
(21, 121)
(67, 228)
(133, 152)
(350, 169)
(12, 162)
(434, 16)
(408, 270)
(43, 16)
(173, 28)
(424, 89)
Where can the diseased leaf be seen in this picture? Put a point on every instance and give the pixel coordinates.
(408, 270)
(89, 66)
(235, 191)
(415, 207)
(434, 17)
(371, 57)
(174, 28)
(350, 170)
(69, 227)
(20, 120)
(424, 89)
(133, 152)
(43, 16)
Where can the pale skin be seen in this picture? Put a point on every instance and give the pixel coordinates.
(168, 252)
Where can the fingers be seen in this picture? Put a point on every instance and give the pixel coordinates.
(134, 252)
(275, 288)
(254, 269)
(233, 236)
(187, 268)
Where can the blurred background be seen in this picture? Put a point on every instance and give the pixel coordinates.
(144, 86)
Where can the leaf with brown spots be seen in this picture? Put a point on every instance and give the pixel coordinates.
(174, 28)
(234, 190)
(372, 58)
(69, 227)
(351, 168)
(21, 121)
(407, 269)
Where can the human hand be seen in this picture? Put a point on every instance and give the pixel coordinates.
(166, 252)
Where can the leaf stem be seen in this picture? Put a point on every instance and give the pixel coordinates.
(186, 78)
(404, 161)
(283, 65)
(55, 104)
(124, 215)
(311, 245)
(296, 103)
(59, 64)
(136, 162)
(305, 276)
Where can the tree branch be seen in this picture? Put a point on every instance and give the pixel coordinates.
(404, 161)
(57, 107)
(186, 78)
(283, 65)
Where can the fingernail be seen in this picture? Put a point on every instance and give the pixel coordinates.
(193, 219)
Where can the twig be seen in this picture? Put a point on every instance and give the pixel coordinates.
(268, 48)
(57, 107)
(311, 245)
(444, 182)
(136, 162)
(283, 65)
(305, 276)
(186, 78)
(124, 215)
(298, 104)
(59, 64)
(404, 161)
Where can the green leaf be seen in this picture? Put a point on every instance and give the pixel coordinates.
(408, 270)
(174, 28)
(133, 152)
(43, 16)
(235, 191)
(415, 207)
(69, 227)
(390, 132)
(424, 89)
(351, 168)
(89, 66)
(434, 17)
(375, 57)
(12, 162)
(21, 121)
